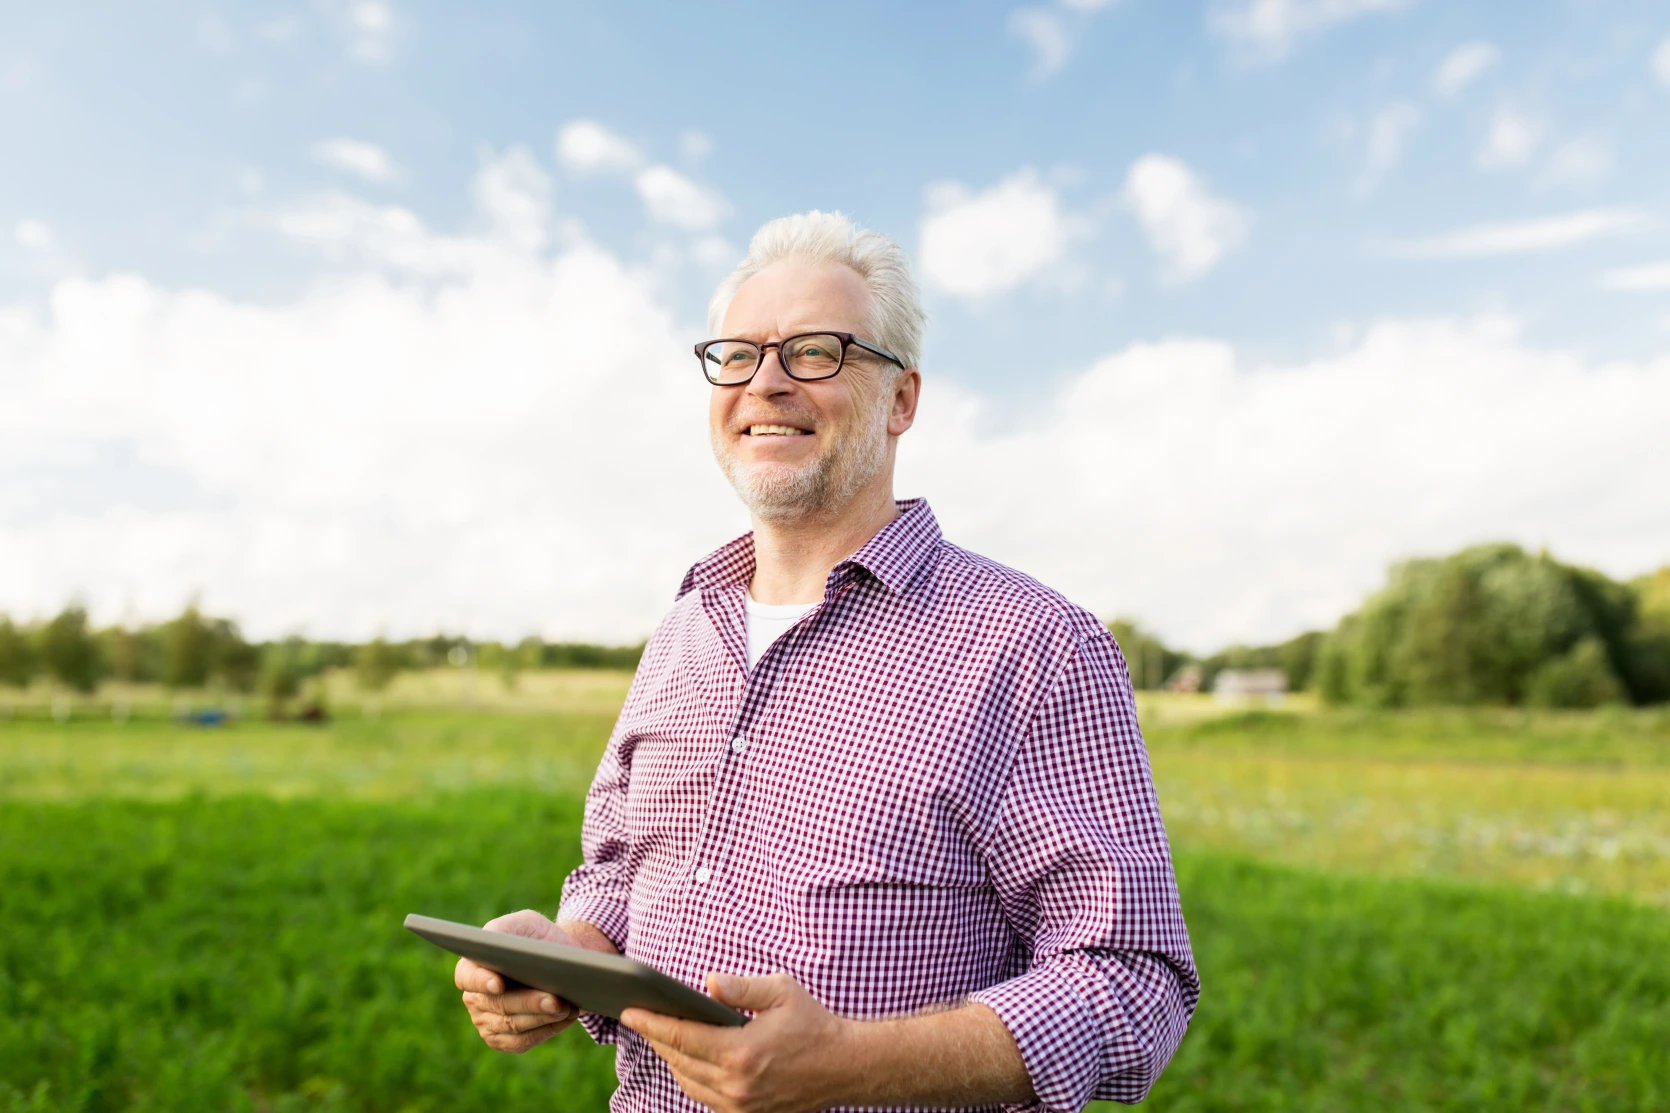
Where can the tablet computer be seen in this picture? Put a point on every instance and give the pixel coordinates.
(590, 980)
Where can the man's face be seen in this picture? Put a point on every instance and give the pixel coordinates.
(796, 449)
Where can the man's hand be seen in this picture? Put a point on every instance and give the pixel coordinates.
(522, 1018)
(788, 1058)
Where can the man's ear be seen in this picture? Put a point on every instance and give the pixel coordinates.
(907, 389)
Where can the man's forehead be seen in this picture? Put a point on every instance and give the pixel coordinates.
(795, 293)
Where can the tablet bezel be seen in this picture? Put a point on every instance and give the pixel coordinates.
(590, 980)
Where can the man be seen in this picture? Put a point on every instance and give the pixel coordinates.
(886, 795)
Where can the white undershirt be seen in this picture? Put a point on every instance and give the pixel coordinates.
(769, 621)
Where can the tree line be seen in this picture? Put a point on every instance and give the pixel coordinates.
(1491, 624)
(196, 651)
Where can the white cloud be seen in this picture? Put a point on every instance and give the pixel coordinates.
(1661, 62)
(1516, 237)
(1045, 35)
(1462, 66)
(695, 145)
(586, 147)
(1577, 163)
(513, 193)
(435, 441)
(1510, 141)
(671, 198)
(355, 156)
(1189, 229)
(34, 235)
(975, 245)
(1647, 276)
(1268, 28)
(1386, 135)
(1087, 5)
(1286, 490)
(369, 26)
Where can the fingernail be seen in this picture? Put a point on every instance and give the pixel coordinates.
(548, 1004)
(493, 986)
(562, 1014)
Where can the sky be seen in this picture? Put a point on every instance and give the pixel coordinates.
(359, 316)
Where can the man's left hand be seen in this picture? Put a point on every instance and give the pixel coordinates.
(787, 1059)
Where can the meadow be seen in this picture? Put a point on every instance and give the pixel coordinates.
(1421, 910)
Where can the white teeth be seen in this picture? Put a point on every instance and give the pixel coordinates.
(775, 431)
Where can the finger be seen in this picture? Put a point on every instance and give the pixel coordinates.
(520, 1042)
(753, 994)
(501, 1004)
(478, 979)
(527, 922)
(687, 1037)
(533, 1001)
(515, 1023)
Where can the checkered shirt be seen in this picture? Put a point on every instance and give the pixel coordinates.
(930, 789)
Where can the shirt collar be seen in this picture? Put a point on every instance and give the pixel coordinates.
(893, 556)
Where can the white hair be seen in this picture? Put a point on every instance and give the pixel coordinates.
(896, 317)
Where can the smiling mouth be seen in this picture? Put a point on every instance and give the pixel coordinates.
(776, 431)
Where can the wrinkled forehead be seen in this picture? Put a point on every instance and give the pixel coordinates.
(797, 295)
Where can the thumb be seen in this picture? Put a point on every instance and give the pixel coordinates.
(753, 994)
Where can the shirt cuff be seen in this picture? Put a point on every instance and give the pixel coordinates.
(608, 915)
(605, 913)
(1057, 1031)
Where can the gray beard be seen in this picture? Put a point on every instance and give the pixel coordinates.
(786, 493)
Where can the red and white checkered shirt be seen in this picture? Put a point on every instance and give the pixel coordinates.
(932, 788)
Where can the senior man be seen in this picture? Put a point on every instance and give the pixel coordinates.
(885, 794)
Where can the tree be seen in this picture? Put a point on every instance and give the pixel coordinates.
(17, 656)
(376, 665)
(280, 674)
(1580, 678)
(69, 652)
(188, 650)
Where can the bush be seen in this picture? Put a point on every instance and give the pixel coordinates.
(1580, 678)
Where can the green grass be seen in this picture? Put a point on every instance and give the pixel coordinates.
(209, 919)
(245, 953)
(248, 954)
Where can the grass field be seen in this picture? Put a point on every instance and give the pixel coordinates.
(208, 918)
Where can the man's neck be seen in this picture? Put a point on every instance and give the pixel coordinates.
(793, 559)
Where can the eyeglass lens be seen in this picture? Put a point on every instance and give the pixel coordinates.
(804, 357)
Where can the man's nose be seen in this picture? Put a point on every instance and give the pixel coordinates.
(772, 377)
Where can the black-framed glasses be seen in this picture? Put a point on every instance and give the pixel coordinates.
(808, 357)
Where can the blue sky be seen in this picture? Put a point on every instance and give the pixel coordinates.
(1238, 225)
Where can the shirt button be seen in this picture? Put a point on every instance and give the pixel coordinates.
(738, 744)
(702, 875)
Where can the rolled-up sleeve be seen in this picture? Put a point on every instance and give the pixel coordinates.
(1079, 857)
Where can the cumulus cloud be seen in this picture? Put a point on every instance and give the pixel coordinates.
(1221, 499)
(1517, 237)
(1462, 66)
(671, 198)
(357, 157)
(975, 245)
(456, 432)
(1510, 141)
(1661, 62)
(1645, 277)
(1189, 228)
(1269, 28)
(586, 147)
(1386, 135)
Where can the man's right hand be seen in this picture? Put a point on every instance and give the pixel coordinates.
(521, 1018)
